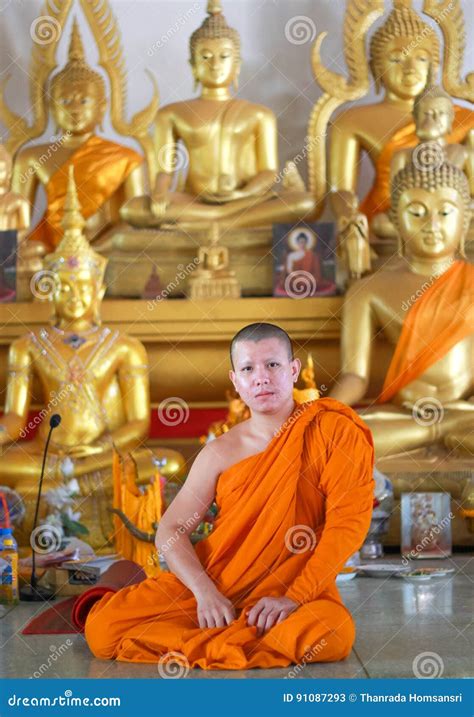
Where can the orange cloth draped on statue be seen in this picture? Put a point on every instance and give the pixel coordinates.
(142, 507)
(288, 519)
(100, 167)
(441, 317)
(378, 198)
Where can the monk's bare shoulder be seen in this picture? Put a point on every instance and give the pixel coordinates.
(229, 448)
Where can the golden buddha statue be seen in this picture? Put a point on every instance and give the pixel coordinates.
(404, 57)
(228, 146)
(107, 174)
(426, 311)
(213, 277)
(13, 208)
(433, 112)
(14, 213)
(95, 377)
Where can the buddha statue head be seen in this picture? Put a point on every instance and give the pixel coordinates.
(433, 112)
(404, 53)
(431, 210)
(215, 50)
(78, 270)
(78, 93)
(6, 166)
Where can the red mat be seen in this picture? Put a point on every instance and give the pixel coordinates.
(69, 616)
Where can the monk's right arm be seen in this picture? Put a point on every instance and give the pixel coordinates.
(172, 538)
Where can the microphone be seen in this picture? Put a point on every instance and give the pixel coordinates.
(31, 592)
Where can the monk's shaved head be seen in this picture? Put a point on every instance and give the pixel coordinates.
(258, 332)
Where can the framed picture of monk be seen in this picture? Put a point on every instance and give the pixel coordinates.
(304, 257)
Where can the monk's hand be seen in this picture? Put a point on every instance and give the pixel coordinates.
(214, 609)
(269, 611)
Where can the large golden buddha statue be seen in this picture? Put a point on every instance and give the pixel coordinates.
(404, 58)
(229, 148)
(95, 377)
(107, 173)
(425, 310)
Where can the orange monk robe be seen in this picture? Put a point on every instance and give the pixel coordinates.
(100, 168)
(378, 199)
(441, 317)
(314, 482)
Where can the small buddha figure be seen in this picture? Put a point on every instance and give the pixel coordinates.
(433, 112)
(353, 247)
(213, 277)
(228, 144)
(107, 173)
(14, 215)
(404, 57)
(426, 311)
(95, 377)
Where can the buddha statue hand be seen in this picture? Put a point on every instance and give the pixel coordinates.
(160, 202)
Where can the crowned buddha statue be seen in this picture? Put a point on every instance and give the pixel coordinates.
(14, 214)
(107, 173)
(94, 377)
(229, 146)
(404, 58)
(425, 311)
(433, 112)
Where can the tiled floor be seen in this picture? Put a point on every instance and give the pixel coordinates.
(397, 622)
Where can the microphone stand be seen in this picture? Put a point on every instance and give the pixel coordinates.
(31, 592)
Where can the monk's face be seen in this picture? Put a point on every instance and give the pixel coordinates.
(264, 375)
(431, 223)
(405, 67)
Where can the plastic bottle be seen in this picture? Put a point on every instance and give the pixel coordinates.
(8, 568)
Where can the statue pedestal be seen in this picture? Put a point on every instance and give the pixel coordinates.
(431, 470)
(134, 252)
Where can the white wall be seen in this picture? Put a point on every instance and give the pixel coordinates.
(155, 35)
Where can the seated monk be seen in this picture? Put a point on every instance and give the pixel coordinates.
(107, 174)
(294, 490)
(227, 145)
(426, 311)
